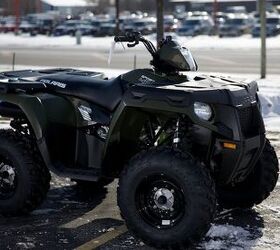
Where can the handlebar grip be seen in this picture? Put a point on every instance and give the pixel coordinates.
(124, 39)
(120, 39)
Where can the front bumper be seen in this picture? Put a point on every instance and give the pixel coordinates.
(238, 122)
(234, 165)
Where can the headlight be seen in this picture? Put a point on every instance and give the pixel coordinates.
(203, 110)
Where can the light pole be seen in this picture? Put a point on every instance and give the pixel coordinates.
(117, 3)
(17, 14)
(160, 24)
(215, 10)
(262, 12)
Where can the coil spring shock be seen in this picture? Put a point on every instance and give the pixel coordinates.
(182, 138)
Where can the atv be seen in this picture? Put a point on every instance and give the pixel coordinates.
(178, 144)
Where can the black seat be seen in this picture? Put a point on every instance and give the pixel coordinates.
(105, 93)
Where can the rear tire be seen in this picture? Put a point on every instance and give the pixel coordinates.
(166, 198)
(24, 178)
(258, 185)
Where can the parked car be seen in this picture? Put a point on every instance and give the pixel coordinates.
(272, 27)
(220, 18)
(9, 26)
(95, 26)
(235, 25)
(170, 23)
(237, 9)
(1, 26)
(44, 22)
(107, 29)
(26, 27)
(145, 26)
(193, 26)
(71, 26)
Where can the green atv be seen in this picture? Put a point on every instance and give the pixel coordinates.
(177, 144)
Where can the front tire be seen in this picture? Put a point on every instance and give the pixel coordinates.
(166, 198)
(24, 178)
(258, 185)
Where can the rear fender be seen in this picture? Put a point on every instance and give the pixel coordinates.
(43, 112)
(32, 108)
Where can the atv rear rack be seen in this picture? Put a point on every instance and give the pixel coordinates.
(12, 87)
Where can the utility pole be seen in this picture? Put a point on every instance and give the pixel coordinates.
(215, 10)
(38, 6)
(117, 3)
(262, 12)
(160, 24)
(17, 14)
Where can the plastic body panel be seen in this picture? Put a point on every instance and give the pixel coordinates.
(64, 134)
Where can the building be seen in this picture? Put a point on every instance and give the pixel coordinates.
(207, 5)
(72, 7)
(68, 7)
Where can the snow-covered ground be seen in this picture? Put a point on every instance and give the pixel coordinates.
(199, 42)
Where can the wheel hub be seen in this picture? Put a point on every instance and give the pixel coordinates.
(164, 199)
(7, 181)
(160, 201)
(7, 174)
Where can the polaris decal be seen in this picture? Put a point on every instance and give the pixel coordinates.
(144, 80)
(85, 112)
(54, 83)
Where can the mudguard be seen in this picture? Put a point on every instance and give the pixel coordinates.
(43, 112)
(32, 108)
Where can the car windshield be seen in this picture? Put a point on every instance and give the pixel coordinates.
(139, 24)
(71, 24)
(236, 21)
(191, 22)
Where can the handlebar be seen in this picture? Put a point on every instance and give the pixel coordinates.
(133, 39)
(129, 37)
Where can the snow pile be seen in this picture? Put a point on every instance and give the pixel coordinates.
(223, 236)
(235, 238)
(270, 99)
(198, 42)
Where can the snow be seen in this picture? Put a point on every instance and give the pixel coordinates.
(67, 3)
(198, 42)
(220, 236)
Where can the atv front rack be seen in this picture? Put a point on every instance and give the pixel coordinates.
(12, 87)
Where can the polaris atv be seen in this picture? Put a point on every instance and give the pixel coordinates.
(177, 144)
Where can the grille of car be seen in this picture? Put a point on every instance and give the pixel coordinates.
(249, 118)
(245, 118)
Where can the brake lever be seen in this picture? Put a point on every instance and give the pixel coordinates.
(130, 45)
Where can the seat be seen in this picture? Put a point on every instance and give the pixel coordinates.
(105, 93)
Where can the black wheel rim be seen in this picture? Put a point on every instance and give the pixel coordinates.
(8, 179)
(160, 201)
